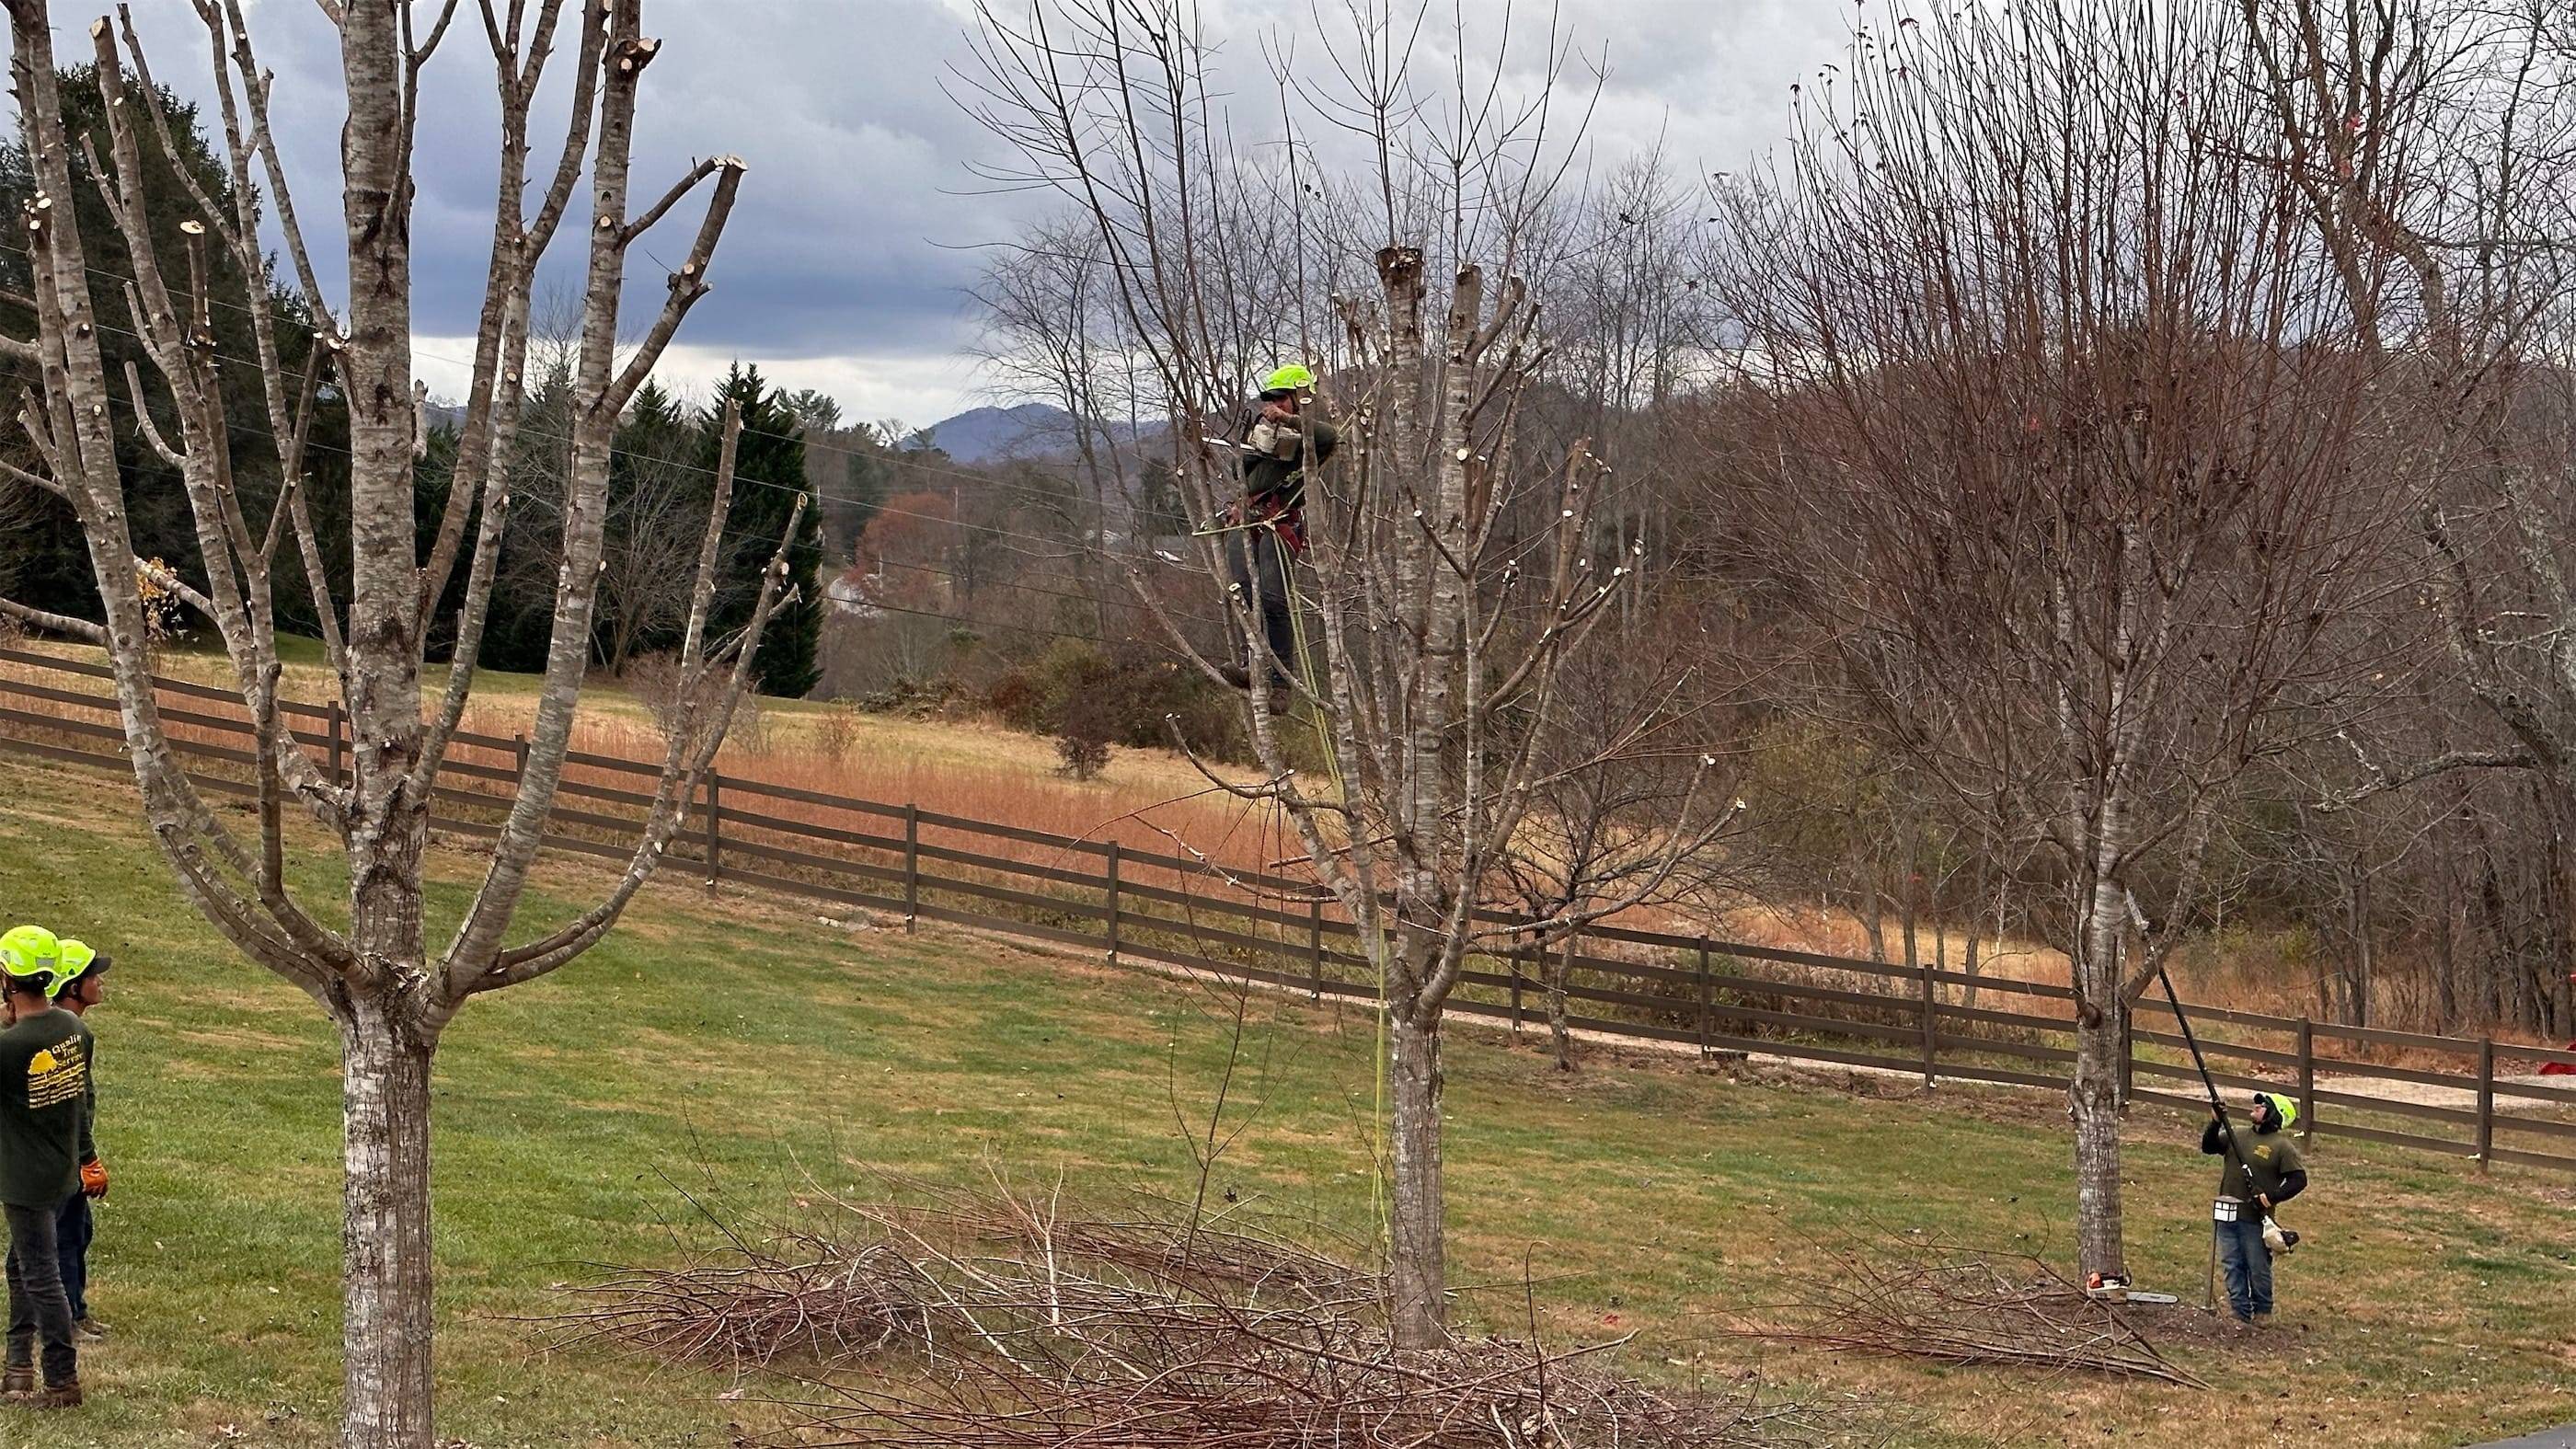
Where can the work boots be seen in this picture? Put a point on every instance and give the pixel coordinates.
(17, 1383)
(64, 1395)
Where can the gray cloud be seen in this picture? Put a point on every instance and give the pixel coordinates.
(859, 217)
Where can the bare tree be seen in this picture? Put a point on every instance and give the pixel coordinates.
(1435, 674)
(2078, 416)
(2433, 151)
(1048, 325)
(657, 489)
(388, 994)
(1625, 759)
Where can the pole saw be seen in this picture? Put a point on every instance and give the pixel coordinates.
(2226, 1127)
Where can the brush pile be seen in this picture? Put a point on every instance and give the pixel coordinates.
(1961, 1305)
(1001, 1321)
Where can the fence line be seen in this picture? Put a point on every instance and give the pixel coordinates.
(1693, 991)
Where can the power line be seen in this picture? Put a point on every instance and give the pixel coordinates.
(1026, 490)
(628, 453)
(817, 492)
(767, 540)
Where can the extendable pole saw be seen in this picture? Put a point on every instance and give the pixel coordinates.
(2226, 1125)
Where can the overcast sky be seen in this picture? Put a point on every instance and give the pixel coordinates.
(858, 223)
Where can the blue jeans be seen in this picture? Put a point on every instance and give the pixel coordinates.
(38, 1310)
(72, 1232)
(2248, 1264)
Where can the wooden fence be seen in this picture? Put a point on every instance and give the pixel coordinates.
(1686, 992)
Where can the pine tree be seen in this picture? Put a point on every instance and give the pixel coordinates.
(867, 481)
(769, 476)
(44, 557)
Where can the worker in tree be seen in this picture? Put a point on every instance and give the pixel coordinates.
(80, 984)
(2269, 1174)
(1267, 532)
(44, 1130)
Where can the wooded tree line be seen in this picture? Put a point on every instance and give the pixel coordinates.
(2105, 479)
(2114, 468)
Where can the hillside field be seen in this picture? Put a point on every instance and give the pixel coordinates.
(732, 1043)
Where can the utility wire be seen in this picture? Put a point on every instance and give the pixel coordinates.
(1026, 490)
(314, 444)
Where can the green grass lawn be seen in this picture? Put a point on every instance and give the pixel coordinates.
(738, 1038)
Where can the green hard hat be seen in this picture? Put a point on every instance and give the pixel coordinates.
(76, 957)
(2286, 1109)
(30, 951)
(1288, 379)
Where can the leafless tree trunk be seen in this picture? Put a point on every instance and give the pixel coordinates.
(2433, 148)
(390, 998)
(2075, 423)
(1450, 577)
(1560, 1030)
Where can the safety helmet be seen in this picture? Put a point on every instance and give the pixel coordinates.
(76, 959)
(2282, 1107)
(1288, 379)
(30, 951)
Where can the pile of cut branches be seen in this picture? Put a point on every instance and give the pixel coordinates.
(791, 1299)
(1007, 1321)
(1962, 1305)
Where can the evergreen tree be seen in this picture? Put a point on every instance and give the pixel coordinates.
(867, 481)
(45, 558)
(769, 476)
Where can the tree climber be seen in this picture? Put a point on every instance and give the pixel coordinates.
(1265, 531)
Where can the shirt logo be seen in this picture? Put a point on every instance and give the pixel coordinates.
(57, 1074)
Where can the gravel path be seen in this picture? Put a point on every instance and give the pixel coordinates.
(2426, 1094)
(2562, 1437)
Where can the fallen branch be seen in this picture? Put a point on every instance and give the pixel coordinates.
(1962, 1305)
(1003, 1320)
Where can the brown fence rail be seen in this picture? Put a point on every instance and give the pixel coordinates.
(1682, 991)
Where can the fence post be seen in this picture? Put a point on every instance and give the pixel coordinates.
(911, 866)
(2307, 1079)
(518, 759)
(2486, 1102)
(335, 742)
(1113, 903)
(1930, 1037)
(715, 829)
(1315, 949)
(1701, 982)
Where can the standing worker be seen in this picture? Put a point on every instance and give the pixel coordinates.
(44, 1111)
(80, 985)
(1268, 525)
(2269, 1174)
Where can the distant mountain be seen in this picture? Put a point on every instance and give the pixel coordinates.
(1036, 432)
(991, 435)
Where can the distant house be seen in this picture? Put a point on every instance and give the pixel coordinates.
(848, 596)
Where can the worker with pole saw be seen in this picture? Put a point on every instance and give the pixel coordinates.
(2261, 1171)
(1265, 532)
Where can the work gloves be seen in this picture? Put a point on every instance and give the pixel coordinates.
(93, 1178)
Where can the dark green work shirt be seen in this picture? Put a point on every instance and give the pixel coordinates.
(2274, 1159)
(44, 1108)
